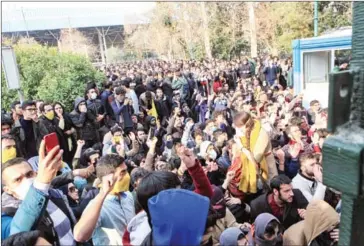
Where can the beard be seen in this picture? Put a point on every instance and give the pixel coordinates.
(285, 201)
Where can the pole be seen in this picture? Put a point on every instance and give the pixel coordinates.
(25, 22)
(343, 153)
(21, 96)
(315, 18)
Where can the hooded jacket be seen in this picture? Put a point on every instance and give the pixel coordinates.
(169, 225)
(256, 235)
(320, 216)
(85, 122)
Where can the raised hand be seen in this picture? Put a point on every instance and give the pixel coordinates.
(107, 184)
(187, 156)
(48, 164)
(132, 136)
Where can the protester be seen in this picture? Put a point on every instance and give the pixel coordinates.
(309, 179)
(113, 211)
(27, 193)
(320, 227)
(223, 129)
(66, 131)
(8, 148)
(16, 111)
(286, 204)
(26, 131)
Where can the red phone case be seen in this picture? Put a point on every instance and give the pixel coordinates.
(51, 141)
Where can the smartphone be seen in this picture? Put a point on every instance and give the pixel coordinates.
(51, 141)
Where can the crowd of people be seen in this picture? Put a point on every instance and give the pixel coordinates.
(207, 152)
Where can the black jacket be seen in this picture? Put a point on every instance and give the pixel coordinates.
(25, 147)
(164, 107)
(47, 126)
(85, 122)
(290, 215)
(167, 87)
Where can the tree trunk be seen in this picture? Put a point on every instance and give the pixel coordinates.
(253, 32)
(206, 30)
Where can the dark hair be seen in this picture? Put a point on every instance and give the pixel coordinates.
(12, 162)
(279, 180)
(108, 84)
(107, 164)
(42, 106)
(6, 120)
(270, 228)
(12, 106)
(217, 133)
(153, 183)
(7, 136)
(137, 173)
(115, 129)
(313, 102)
(27, 103)
(127, 82)
(120, 91)
(58, 103)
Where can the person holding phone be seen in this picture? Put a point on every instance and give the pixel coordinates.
(29, 194)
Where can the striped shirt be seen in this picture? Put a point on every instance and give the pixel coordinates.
(61, 224)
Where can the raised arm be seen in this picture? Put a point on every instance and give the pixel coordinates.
(86, 225)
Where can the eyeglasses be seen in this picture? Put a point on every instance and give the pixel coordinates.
(31, 109)
(5, 129)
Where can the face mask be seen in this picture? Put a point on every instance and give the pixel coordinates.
(122, 185)
(212, 154)
(169, 144)
(263, 242)
(8, 154)
(93, 95)
(50, 115)
(239, 132)
(117, 139)
(22, 190)
(213, 129)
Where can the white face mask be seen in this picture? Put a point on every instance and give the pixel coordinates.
(212, 154)
(93, 96)
(281, 100)
(22, 190)
(240, 132)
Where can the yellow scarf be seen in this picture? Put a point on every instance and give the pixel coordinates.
(248, 179)
(153, 111)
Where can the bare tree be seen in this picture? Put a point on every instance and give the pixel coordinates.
(72, 40)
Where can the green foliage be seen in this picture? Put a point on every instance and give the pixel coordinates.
(50, 75)
(7, 96)
(333, 15)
